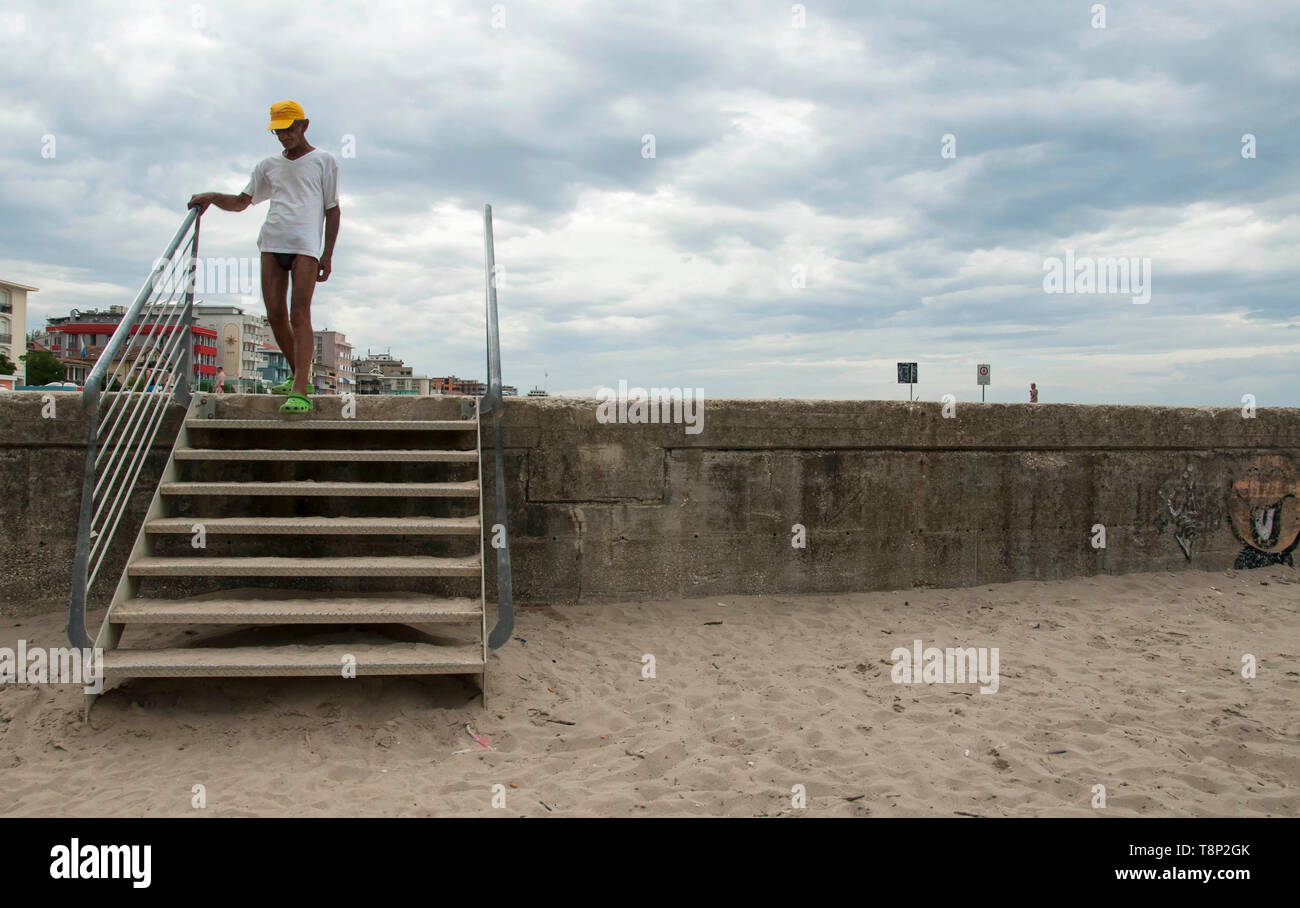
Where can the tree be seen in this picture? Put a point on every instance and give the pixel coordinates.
(43, 367)
(7, 366)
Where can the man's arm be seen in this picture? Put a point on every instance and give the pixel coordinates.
(223, 201)
(331, 234)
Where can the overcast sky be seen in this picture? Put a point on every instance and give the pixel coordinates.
(780, 149)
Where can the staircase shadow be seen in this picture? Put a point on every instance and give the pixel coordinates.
(221, 636)
(368, 701)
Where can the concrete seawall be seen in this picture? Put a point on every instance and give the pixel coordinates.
(890, 495)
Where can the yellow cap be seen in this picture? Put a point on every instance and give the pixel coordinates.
(284, 113)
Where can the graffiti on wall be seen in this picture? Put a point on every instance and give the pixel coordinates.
(1181, 510)
(1264, 507)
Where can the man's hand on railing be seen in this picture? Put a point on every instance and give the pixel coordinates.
(201, 201)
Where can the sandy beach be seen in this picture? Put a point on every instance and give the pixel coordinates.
(1132, 682)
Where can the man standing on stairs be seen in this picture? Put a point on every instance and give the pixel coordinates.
(302, 183)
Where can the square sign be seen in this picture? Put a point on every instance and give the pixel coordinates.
(907, 373)
(982, 374)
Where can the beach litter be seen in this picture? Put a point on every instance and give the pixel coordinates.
(483, 741)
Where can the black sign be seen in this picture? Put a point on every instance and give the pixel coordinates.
(907, 373)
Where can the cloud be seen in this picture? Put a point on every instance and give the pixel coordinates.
(797, 231)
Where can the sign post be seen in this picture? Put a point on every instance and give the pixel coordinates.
(907, 376)
(982, 378)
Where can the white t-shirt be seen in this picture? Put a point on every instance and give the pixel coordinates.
(300, 192)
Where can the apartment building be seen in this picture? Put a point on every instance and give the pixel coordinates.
(381, 373)
(333, 363)
(13, 329)
(277, 367)
(241, 343)
(78, 338)
(450, 384)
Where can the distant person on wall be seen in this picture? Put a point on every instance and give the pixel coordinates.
(1033, 393)
(302, 184)
(220, 386)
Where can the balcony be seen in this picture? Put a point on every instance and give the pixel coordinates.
(6, 338)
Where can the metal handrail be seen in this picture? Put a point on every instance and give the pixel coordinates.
(148, 316)
(149, 410)
(492, 403)
(95, 381)
(121, 434)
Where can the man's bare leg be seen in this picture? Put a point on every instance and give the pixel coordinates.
(275, 293)
(305, 270)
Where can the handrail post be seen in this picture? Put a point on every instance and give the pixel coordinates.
(505, 625)
(186, 383)
(493, 397)
(77, 635)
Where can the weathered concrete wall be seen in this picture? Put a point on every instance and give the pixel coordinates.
(42, 459)
(892, 495)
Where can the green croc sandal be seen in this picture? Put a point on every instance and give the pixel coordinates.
(297, 403)
(286, 387)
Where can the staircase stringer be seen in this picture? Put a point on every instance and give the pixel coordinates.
(110, 633)
(482, 554)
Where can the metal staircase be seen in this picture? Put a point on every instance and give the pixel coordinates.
(342, 543)
(357, 525)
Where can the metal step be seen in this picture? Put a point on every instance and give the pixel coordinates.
(273, 566)
(350, 425)
(318, 455)
(343, 609)
(277, 661)
(468, 489)
(350, 526)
